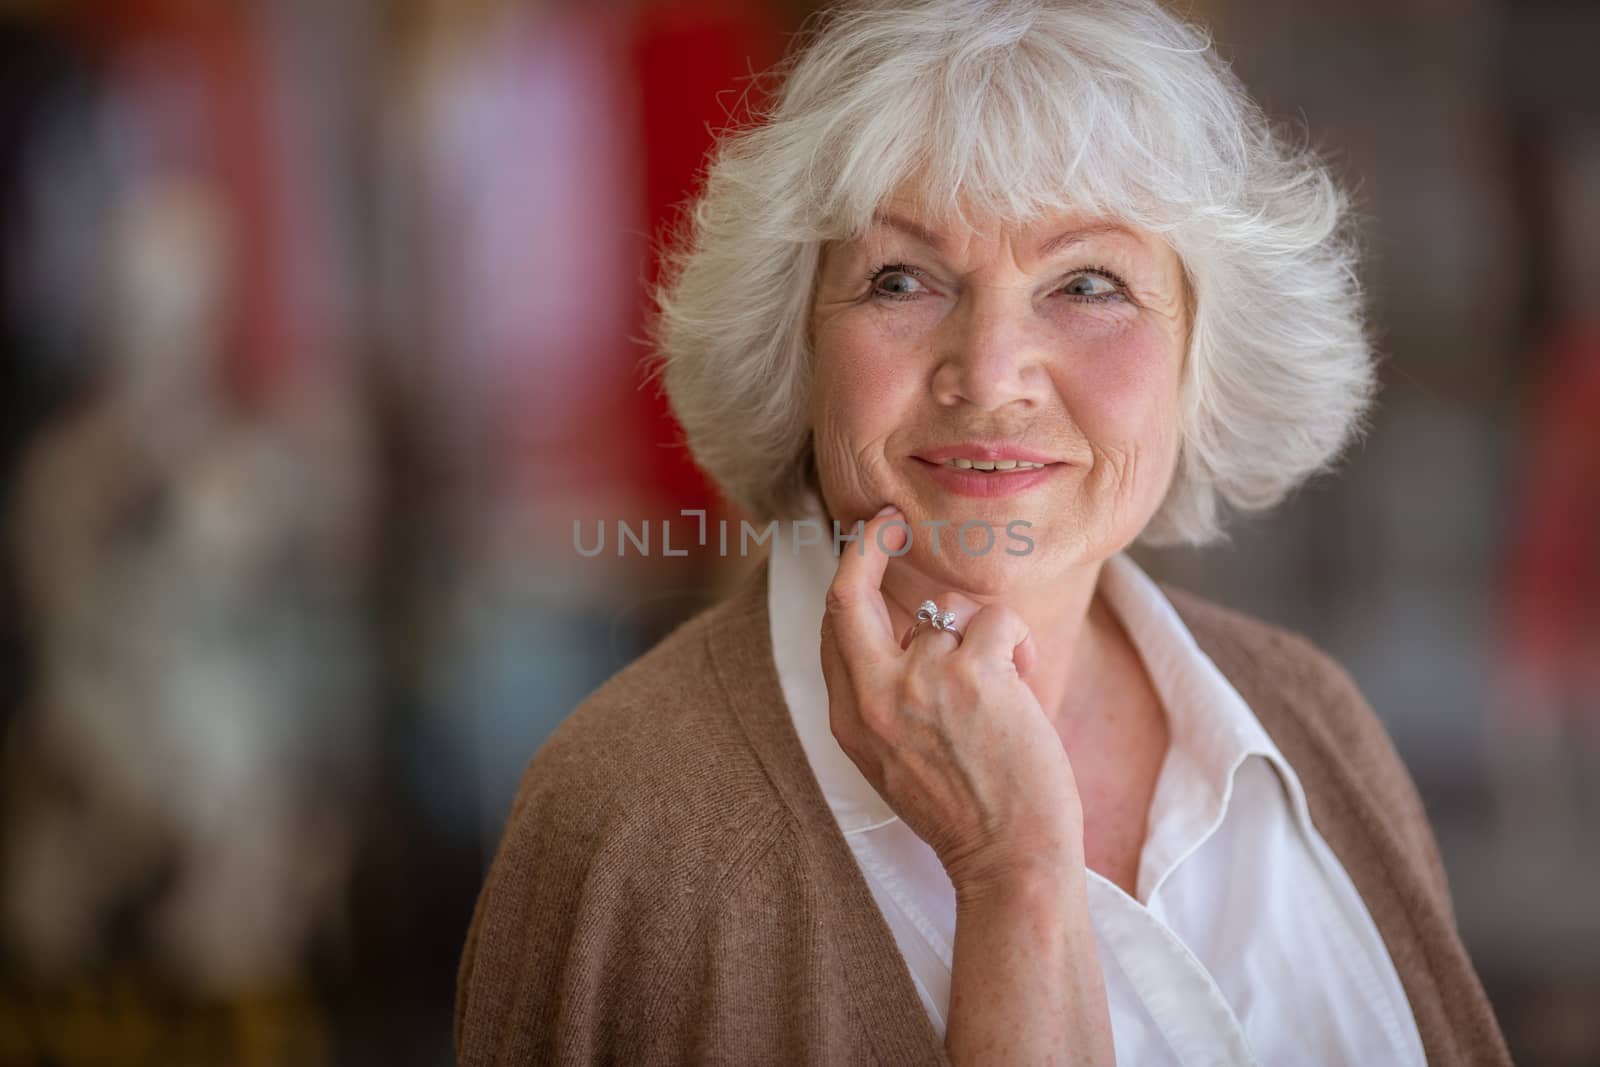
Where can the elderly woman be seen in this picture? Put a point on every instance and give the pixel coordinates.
(997, 288)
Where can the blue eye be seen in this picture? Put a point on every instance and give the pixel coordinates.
(1094, 284)
(895, 281)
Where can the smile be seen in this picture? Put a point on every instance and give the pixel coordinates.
(987, 478)
(993, 464)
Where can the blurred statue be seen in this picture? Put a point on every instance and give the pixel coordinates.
(183, 784)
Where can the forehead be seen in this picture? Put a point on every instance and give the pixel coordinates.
(1045, 234)
(1043, 237)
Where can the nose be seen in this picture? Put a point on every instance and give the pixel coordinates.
(990, 355)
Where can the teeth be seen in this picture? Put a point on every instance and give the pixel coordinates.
(993, 465)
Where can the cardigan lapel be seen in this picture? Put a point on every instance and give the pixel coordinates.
(880, 985)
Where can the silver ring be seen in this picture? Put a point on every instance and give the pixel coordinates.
(940, 620)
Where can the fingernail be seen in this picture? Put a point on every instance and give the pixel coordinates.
(886, 509)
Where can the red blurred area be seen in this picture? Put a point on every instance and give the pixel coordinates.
(695, 67)
(1553, 563)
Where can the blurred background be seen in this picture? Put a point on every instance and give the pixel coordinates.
(318, 334)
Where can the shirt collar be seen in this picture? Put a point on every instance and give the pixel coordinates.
(1206, 716)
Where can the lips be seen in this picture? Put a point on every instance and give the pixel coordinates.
(986, 484)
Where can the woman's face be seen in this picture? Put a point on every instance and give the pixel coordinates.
(1060, 343)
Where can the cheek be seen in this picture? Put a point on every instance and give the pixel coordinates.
(1124, 388)
(865, 380)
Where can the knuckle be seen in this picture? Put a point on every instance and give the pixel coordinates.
(1001, 614)
(916, 689)
(967, 672)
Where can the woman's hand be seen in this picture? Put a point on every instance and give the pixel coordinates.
(946, 730)
(954, 741)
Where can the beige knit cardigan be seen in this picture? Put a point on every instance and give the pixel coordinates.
(672, 887)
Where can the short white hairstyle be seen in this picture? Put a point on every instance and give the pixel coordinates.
(1014, 109)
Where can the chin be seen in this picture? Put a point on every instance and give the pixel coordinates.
(994, 574)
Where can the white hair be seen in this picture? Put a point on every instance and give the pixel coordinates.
(1015, 109)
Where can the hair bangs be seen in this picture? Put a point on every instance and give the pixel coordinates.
(1005, 125)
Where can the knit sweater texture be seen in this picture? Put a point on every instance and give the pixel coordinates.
(671, 886)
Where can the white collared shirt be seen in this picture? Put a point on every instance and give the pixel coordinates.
(1247, 943)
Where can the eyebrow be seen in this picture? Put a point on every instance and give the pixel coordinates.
(1059, 243)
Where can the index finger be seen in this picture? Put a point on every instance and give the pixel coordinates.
(855, 609)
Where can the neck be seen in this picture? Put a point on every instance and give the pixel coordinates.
(1072, 631)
